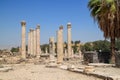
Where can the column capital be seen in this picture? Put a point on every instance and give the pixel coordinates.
(61, 27)
(69, 25)
(38, 26)
(51, 39)
(23, 23)
(31, 30)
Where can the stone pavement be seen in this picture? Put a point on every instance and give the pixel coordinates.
(104, 71)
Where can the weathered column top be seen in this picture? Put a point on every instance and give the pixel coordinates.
(61, 27)
(69, 25)
(23, 23)
(51, 39)
(38, 26)
(31, 30)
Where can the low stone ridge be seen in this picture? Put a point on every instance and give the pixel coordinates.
(5, 69)
(100, 65)
(91, 71)
(64, 67)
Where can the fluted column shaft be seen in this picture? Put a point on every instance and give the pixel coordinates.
(34, 43)
(60, 45)
(29, 42)
(69, 40)
(23, 45)
(52, 45)
(38, 41)
(46, 50)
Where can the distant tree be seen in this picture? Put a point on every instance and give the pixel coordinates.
(88, 46)
(55, 47)
(117, 44)
(101, 45)
(44, 46)
(77, 42)
(72, 42)
(76, 47)
(0, 50)
(26, 47)
(65, 45)
(13, 49)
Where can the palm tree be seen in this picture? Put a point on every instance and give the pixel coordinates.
(106, 13)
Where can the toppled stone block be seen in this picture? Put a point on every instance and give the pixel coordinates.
(71, 66)
(5, 69)
(65, 67)
(2, 60)
(88, 69)
(52, 65)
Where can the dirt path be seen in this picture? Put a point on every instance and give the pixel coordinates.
(40, 72)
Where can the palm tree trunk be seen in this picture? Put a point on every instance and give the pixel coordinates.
(112, 39)
(113, 49)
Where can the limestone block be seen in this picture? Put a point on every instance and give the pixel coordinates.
(5, 69)
(65, 67)
(88, 69)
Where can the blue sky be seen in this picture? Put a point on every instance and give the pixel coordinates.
(50, 14)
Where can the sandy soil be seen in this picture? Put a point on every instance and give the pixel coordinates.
(40, 72)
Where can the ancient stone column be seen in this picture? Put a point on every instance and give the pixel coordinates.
(29, 43)
(23, 45)
(46, 50)
(30, 40)
(38, 41)
(51, 45)
(34, 43)
(80, 54)
(60, 45)
(65, 54)
(72, 53)
(62, 41)
(69, 39)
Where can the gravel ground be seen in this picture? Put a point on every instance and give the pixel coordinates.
(40, 72)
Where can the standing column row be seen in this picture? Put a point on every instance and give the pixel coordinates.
(60, 43)
(34, 42)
